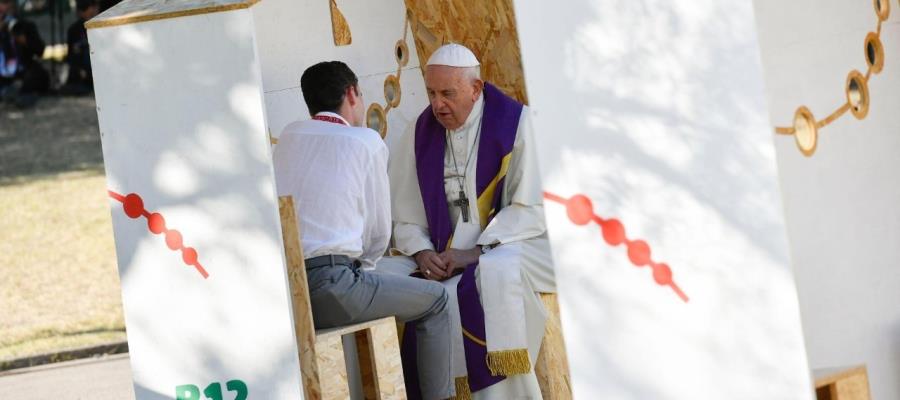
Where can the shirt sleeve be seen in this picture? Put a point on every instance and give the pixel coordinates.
(376, 208)
(522, 217)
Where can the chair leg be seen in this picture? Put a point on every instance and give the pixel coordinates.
(380, 366)
(332, 368)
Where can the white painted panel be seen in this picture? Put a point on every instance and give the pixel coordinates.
(283, 107)
(655, 111)
(182, 122)
(841, 204)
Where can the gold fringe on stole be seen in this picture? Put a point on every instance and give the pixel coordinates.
(509, 362)
(462, 389)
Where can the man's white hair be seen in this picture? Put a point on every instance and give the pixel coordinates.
(472, 74)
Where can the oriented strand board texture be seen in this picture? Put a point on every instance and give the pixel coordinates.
(332, 368)
(386, 351)
(339, 26)
(488, 27)
(552, 366)
(303, 320)
(842, 383)
(134, 11)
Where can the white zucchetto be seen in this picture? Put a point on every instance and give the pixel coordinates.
(453, 55)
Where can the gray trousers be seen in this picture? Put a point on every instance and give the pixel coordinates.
(346, 294)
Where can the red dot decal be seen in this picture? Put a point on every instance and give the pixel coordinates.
(639, 253)
(580, 211)
(662, 274)
(156, 223)
(133, 205)
(173, 239)
(189, 255)
(613, 232)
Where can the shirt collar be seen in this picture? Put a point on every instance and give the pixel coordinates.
(335, 115)
(474, 115)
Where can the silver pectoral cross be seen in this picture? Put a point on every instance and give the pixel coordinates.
(463, 203)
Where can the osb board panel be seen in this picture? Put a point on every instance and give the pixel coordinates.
(332, 369)
(842, 383)
(488, 27)
(134, 11)
(386, 351)
(552, 366)
(300, 303)
(339, 26)
(827, 376)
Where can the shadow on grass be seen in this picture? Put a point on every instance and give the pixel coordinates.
(58, 135)
(62, 333)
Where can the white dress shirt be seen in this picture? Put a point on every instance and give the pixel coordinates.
(337, 175)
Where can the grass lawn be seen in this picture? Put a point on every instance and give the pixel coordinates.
(59, 287)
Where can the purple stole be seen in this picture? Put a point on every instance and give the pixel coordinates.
(499, 124)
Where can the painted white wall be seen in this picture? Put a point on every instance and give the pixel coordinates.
(294, 35)
(655, 110)
(181, 111)
(842, 204)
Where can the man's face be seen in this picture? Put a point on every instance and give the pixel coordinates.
(4, 9)
(451, 93)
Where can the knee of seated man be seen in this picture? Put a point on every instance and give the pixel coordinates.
(439, 296)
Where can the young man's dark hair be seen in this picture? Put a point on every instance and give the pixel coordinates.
(325, 84)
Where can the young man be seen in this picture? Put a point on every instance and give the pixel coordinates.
(336, 172)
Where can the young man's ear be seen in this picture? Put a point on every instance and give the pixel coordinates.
(353, 94)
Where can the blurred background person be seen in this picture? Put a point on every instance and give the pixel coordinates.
(22, 77)
(80, 80)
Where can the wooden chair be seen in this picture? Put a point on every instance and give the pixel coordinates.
(842, 383)
(321, 352)
(322, 365)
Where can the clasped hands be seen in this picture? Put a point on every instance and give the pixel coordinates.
(440, 266)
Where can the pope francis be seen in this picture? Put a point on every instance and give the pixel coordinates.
(467, 210)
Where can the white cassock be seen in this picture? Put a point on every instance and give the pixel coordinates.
(521, 256)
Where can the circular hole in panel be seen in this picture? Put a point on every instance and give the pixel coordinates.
(857, 94)
(883, 9)
(401, 52)
(392, 91)
(874, 52)
(376, 120)
(805, 131)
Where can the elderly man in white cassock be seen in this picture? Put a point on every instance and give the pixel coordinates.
(467, 210)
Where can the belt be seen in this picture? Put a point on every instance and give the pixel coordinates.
(330, 260)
